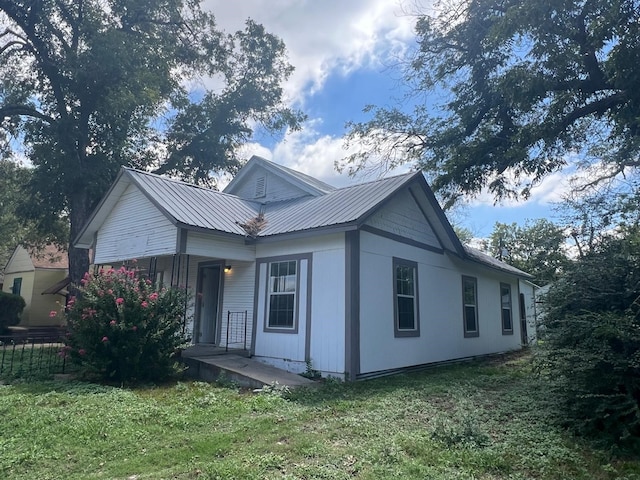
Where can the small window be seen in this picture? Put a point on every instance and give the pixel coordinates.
(17, 286)
(470, 306)
(261, 187)
(505, 302)
(405, 292)
(282, 294)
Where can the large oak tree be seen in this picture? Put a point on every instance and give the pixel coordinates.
(507, 91)
(87, 86)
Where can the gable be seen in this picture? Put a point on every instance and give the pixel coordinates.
(264, 186)
(403, 217)
(134, 228)
(20, 261)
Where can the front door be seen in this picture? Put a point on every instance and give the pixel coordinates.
(208, 295)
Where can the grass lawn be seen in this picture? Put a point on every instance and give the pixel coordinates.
(483, 420)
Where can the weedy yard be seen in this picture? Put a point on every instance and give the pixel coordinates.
(491, 419)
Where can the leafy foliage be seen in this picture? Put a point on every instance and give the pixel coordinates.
(592, 340)
(522, 88)
(87, 86)
(16, 227)
(123, 330)
(11, 307)
(536, 248)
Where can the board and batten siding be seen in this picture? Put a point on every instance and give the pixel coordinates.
(135, 228)
(440, 308)
(403, 217)
(326, 294)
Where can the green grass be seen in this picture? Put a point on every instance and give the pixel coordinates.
(485, 420)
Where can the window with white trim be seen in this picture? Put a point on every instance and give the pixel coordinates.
(470, 306)
(405, 294)
(283, 281)
(506, 309)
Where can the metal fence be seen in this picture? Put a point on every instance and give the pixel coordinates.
(236, 330)
(32, 355)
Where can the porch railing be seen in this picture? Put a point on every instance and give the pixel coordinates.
(32, 355)
(236, 329)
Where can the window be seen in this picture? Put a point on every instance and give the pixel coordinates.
(505, 301)
(17, 286)
(282, 294)
(405, 293)
(470, 306)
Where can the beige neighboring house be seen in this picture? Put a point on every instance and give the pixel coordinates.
(31, 273)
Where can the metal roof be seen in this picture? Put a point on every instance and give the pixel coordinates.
(488, 260)
(341, 206)
(195, 206)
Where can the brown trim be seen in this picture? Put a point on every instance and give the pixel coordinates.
(476, 332)
(397, 332)
(352, 305)
(401, 239)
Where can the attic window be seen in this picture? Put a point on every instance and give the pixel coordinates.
(261, 187)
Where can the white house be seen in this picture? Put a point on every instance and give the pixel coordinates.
(354, 281)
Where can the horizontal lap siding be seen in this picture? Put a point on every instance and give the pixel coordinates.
(238, 297)
(440, 307)
(135, 228)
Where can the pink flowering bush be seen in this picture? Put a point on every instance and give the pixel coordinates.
(123, 330)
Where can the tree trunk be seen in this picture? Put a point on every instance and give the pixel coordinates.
(78, 257)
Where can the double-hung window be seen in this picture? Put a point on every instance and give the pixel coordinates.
(405, 293)
(505, 308)
(470, 306)
(282, 294)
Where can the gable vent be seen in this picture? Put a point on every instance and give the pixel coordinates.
(261, 187)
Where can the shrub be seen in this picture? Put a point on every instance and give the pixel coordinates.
(591, 344)
(121, 329)
(11, 307)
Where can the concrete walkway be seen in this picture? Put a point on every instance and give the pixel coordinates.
(243, 371)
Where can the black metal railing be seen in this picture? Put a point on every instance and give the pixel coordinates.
(236, 329)
(32, 355)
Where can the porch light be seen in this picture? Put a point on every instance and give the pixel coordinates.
(227, 268)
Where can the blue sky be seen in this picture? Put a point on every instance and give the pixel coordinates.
(346, 55)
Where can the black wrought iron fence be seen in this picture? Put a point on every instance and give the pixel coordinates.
(32, 355)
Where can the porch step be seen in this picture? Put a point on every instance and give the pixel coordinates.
(242, 371)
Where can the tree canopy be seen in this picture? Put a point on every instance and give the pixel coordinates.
(87, 86)
(537, 248)
(507, 91)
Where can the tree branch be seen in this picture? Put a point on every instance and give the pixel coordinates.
(24, 111)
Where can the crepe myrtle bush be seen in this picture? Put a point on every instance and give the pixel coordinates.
(122, 329)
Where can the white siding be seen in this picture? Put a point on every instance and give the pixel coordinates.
(528, 290)
(440, 307)
(238, 295)
(217, 246)
(403, 217)
(327, 334)
(275, 187)
(135, 228)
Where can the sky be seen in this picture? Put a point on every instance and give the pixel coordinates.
(347, 54)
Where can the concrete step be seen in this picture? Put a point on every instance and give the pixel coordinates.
(245, 372)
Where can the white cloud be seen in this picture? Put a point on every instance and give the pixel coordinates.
(324, 37)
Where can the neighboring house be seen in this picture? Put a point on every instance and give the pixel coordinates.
(352, 281)
(29, 273)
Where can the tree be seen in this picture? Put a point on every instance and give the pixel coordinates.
(536, 248)
(525, 89)
(591, 333)
(89, 85)
(15, 228)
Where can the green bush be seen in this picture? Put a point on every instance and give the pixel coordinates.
(121, 329)
(11, 307)
(591, 341)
